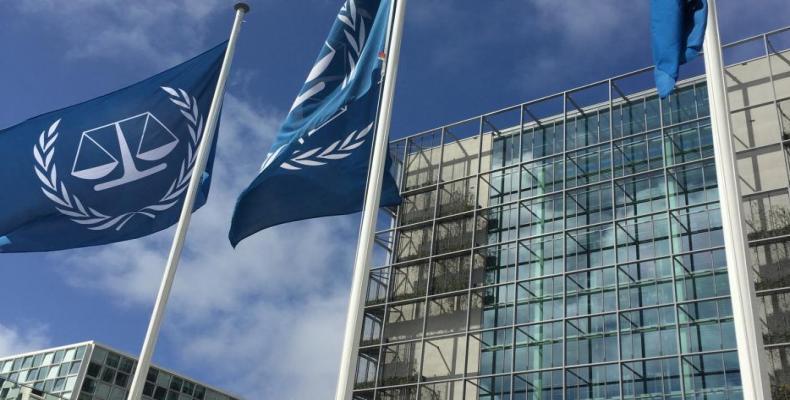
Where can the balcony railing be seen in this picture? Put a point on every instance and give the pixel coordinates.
(456, 202)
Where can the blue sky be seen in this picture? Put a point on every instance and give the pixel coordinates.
(267, 318)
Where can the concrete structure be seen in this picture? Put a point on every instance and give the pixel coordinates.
(570, 247)
(91, 371)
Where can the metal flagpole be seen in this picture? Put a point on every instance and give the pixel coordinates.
(345, 382)
(751, 354)
(140, 373)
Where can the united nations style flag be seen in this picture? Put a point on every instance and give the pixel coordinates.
(109, 169)
(677, 29)
(318, 164)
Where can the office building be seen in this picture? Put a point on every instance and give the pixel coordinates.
(91, 371)
(571, 247)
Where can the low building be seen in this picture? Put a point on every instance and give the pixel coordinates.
(92, 371)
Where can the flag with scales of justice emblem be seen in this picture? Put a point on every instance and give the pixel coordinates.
(318, 165)
(109, 169)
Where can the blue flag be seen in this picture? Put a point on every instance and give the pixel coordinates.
(110, 169)
(318, 164)
(677, 29)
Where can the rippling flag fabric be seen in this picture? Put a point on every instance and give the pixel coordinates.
(318, 164)
(677, 29)
(110, 169)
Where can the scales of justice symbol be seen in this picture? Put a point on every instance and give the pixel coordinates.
(152, 142)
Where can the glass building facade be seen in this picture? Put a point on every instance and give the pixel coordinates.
(90, 371)
(571, 247)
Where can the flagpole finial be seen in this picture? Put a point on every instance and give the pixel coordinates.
(244, 7)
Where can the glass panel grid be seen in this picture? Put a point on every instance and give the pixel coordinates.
(592, 266)
(51, 372)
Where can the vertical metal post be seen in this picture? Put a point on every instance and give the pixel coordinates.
(367, 232)
(613, 183)
(751, 355)
(140, 373)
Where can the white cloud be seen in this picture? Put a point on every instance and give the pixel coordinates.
(614, 36)
(277, 348)
(246, 318)
(21, 339)
(531, 44)
(753, 17)
(161, 32)
(587, 21)
(569, 42)
(254, 318)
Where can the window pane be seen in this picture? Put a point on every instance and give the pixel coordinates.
(409, 281)
(540, 300)
(540, 256)
(450, 274)
(588, 205)
(496, 264)
(492, 307)
(692, 184)
(446, 315)
(490, 352)
(453, 390)
(772, 264)
(637, 154)
(588, 166)
(648, 333)
(400, 363)
(444, 358)
(642, 238)
(767, 214)
(598, 382)
(404, 321)
(646, 283)
(762, 169)
(456, 197)
(539, 346)
(755, 126)
(591, 339)
(590, 292)
(538, 385)
(688, 142)
(540, 141)
(542, 177)
(651, 379)
(775, 317)
(589, 248)
(417, 207)
(540, 215)
(640, 195)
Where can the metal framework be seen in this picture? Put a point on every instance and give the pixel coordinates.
(658, 155)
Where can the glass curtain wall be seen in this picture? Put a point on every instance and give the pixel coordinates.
(571, 247)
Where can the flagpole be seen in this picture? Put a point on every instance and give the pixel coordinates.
(346, 376)
(140, 373)
(751, 354)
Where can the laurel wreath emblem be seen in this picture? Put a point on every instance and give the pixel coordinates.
(356, 38)
(318, 156)
(71, 206)
(356, 35)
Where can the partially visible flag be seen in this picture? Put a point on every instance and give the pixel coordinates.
(677, 29)
(109, 169)
(318, 164)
